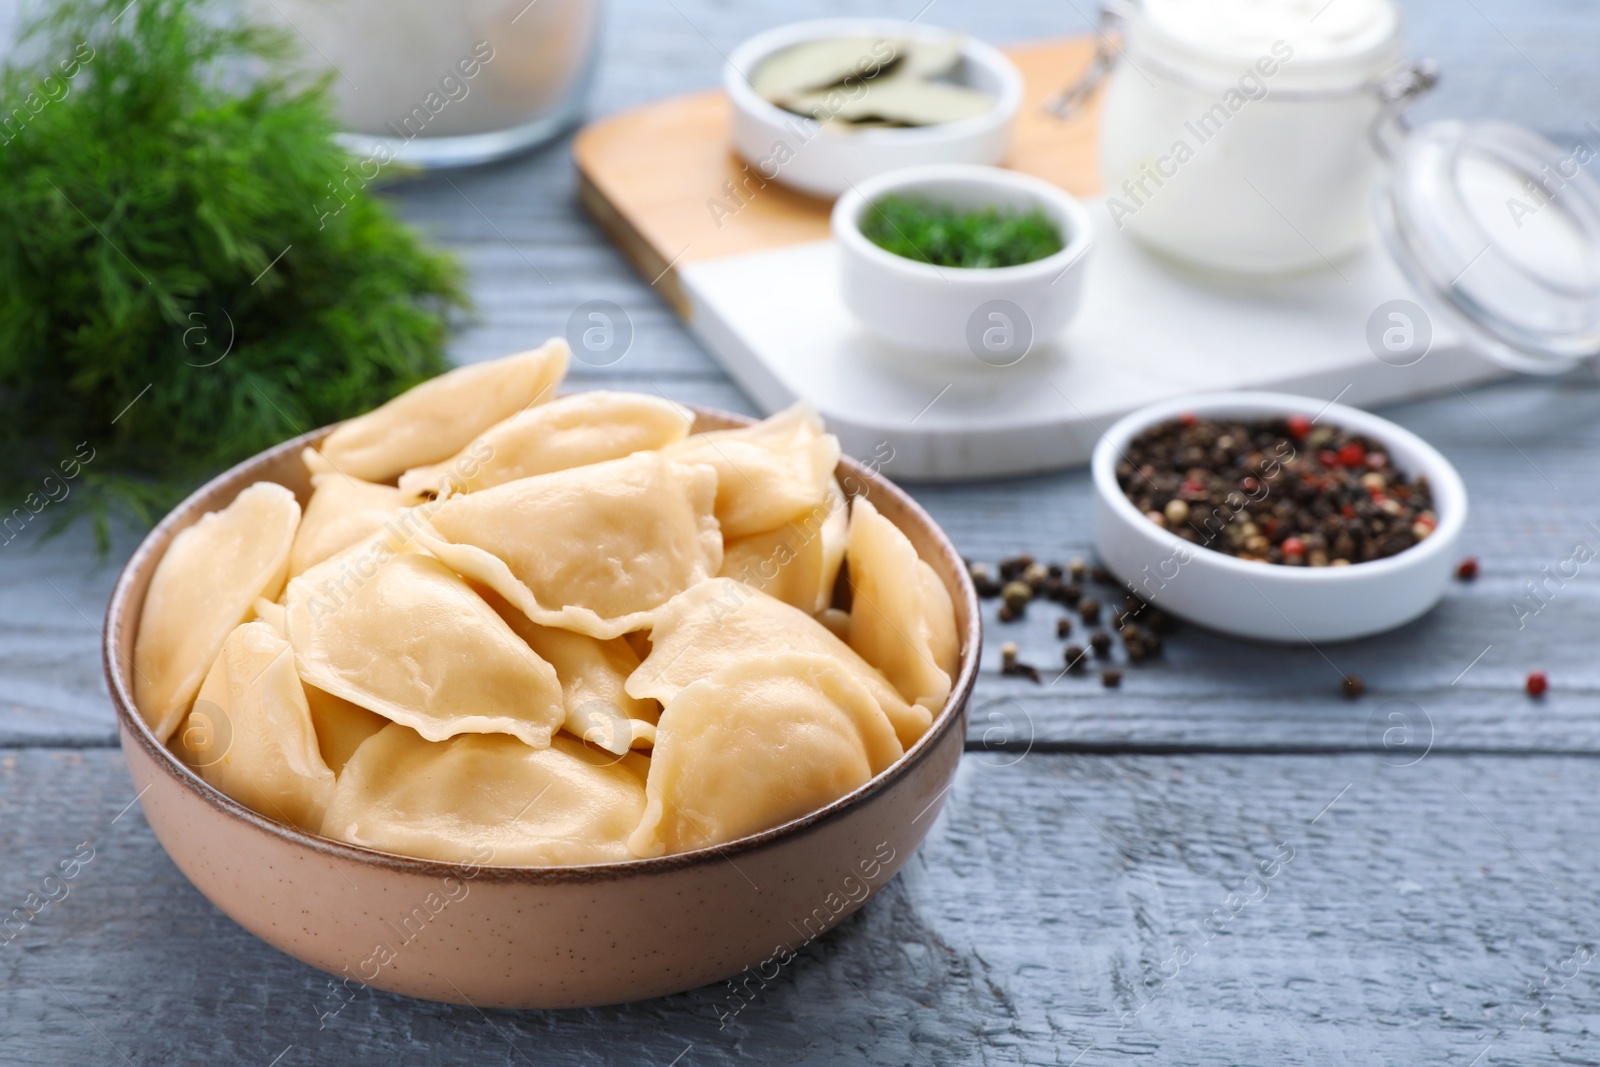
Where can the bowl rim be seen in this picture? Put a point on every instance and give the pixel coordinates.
(132, 725)
(1450, 493)
(750, 52)
(848, 209)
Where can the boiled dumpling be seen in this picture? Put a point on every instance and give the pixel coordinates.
(205, 585)
(409, 639)
(433, 421)
(250, 731)
(722, 621)
(901, 617)
(573, 431)
(341, 726)
(342, 510)
(758, 743)
(798, 562)
(593, 673)
(773, 472)
(271, 613)
(449, 801)
(593, 549)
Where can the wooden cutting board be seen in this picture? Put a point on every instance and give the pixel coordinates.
(646, 176)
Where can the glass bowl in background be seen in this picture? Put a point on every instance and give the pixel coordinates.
(447, 85)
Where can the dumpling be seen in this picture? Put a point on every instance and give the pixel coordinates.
(342, 510)
(205, 585)
(593, 549)
(758, 743)
(433, 421)
(593, 674)
(798, 562)
(271, 613)
(409, 639)
(573, 431)
(901, 617)
(722, 621)
(250, 731)
(341, 726)
(837, 622)
(767, 474)
(446, 801)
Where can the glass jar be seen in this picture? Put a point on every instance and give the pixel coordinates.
(1259, 137)
(448, 84)
(1235, 134)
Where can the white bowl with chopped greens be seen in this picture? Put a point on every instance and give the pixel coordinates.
(826, 104)
(960, 264)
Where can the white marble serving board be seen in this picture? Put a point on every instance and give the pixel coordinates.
(1147, 331)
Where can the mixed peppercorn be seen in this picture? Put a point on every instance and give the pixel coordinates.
(1021, 580)
(1280, 491)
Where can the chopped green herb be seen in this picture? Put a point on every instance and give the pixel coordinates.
(191, 268)
(931, 232)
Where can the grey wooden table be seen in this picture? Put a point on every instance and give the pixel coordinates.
(1094, 890)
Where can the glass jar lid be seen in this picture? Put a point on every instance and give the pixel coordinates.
(1499, 229)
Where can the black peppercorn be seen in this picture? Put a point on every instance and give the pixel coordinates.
(1101, 642)
(1089, 610)
(1352, 686)
(1111, 679)
(1074, 656)
(1063, 627)
(1012, 568)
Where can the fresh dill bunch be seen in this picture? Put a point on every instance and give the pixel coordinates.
(191, 268)
(932, 232)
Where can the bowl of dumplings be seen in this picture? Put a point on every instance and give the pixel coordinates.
(505, 696)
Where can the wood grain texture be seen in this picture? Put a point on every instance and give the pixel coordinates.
(1206, 690)
(1408, 928)
(1403, 916)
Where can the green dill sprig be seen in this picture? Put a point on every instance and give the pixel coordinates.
(929, 231)
(175, 293)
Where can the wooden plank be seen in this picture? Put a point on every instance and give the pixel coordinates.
(1411, 915)
(1206, 690)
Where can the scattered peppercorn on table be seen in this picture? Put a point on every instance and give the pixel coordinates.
(1187, 848)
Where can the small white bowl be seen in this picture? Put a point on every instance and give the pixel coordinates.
(798, 152)
(993, 314)
(1269, 601)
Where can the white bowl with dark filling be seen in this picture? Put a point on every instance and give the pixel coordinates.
(1269, 601)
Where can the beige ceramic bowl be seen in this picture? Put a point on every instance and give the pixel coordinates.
(538, 937)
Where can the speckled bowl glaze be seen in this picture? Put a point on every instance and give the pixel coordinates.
(538, 937)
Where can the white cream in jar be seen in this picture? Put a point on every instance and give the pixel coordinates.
(1236, 133)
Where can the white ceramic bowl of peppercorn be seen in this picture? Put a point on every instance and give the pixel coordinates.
(1326, 523)
(965, 314)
